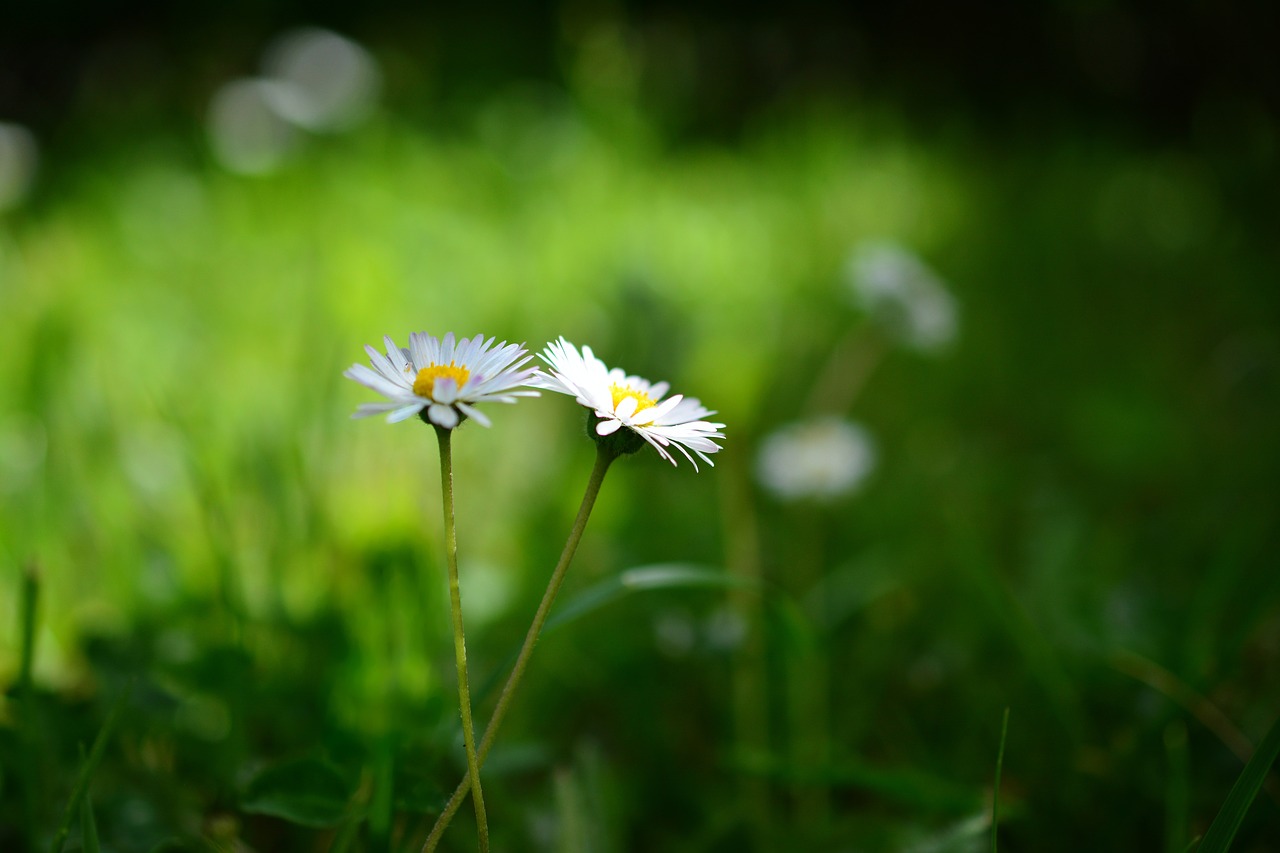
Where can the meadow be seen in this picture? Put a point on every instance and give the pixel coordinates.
(1068, 510)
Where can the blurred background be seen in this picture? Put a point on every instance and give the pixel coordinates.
(986, 296)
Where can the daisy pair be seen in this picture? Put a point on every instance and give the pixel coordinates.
(442, 382)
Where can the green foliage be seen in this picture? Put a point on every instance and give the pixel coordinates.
(1089, 471)
(613, 589)
(1222, 831)
(995, 785)
(306, 791)
(88, 828)
(78, 803)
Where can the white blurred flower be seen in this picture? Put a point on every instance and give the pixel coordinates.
(903, 294)
(621, 401)
(24, 443)
(820, 459)
(443, 379)
(312, 79)
(726, 628)
(674, 633)
(246, 129)
(19, 156)
(329, 82)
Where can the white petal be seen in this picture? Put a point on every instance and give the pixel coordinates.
(445, 390)
(384, 366)
(365, 410)
(475, 414)
(663, 408)
(627, 408)
(395, 355)
(404, 413)
(420, 348)
(375, 381)
(445, 416)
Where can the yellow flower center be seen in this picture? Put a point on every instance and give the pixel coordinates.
(424, 384)
(643, 400)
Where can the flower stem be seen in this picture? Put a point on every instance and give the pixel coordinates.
(604, 457)
(750, 668)
(459, 638)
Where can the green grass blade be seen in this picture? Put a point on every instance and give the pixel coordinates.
(1177, 788)
(30, 599)
(88, 828)
(86, 770)
(662, 576)
(995, 788)
(1225, 826)
(616, 588)
(28, 604)
(381, 807)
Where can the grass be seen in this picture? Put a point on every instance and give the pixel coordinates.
(1089, 474)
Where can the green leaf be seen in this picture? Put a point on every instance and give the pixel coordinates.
(307, 791)
(87, 767)
(27, 642)
(621, 585)
(417, 792)
(918, 789)
(995, 787)
(88, 828)
(658, 576)
(1225, 826)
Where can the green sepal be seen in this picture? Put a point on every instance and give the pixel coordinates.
(620, 442)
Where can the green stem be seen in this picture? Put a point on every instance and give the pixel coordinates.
(86, 769)
(604, 458)
(30, 600)
(750, 706)
(809, 687)
(27, 714)
(995, 786)
(459, 638)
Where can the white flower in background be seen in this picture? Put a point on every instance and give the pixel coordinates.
(820, 459)
(442, 380)
(329, 81)
(312, 79)
(246, 130)
(19, 156)
(902, 293)
(619, 401)
(726, 629)
(674, 633)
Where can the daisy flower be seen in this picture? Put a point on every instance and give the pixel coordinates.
(619, 400)
(442, 381)
(821, 459)
(898, 290)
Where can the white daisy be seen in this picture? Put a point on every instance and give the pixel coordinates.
(619, 400)
(441, 380)
(898, 290)
(820, 459)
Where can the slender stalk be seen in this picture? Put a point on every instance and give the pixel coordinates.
(87, 767)
(750, 708)
(27, 644)
(27, 715)
(809, 682)
(1177, 787)
(846, 372)
(459, 637)
(604, 457)
(995, 786)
